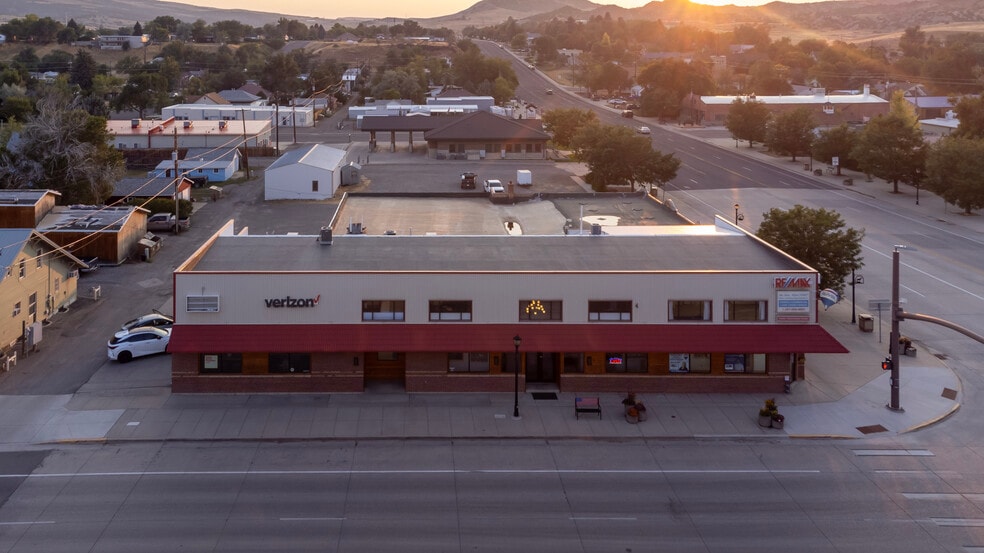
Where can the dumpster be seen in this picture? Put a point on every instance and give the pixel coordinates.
(866, 322)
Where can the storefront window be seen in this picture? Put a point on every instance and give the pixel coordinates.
(744, 363)
(290, 363)
(608, 311)
(221, 363)
(573, 362)
(383, 310)
(468, 362)
(746, 310)
(700, 362)
(626, 362)
(690, 310)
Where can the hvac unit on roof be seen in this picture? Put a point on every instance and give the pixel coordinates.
(187, 124)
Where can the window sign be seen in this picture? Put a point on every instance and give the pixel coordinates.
(210, 361)
(734, 362)
(679, 362)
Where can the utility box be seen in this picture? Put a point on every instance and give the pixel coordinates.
(866, 322)
(524, 177)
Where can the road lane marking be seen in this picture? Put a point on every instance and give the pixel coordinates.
(309, 519)
(965, 522)
(345, 472)
(630, 519)
(932, 496)
(893, 453)
(26, 522)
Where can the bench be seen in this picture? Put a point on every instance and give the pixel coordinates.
(586, 405)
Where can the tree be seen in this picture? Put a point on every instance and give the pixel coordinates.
(84, 70)
(565, 123)
(971, 112)
(64, 148)
(791, 133)
(836, 142)
(142, 92)
(748, 120)
(955, 171)
(615, 155)
(137, 29)
(816, 237)
(281, 76)
(891, 146)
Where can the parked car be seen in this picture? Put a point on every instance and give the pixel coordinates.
(494, 186)
(627, 113)
(468, 179)
(137, 342)
(156, 320)
(644, 130)
(161, 222)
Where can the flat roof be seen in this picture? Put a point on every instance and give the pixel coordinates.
(197, 127)
(805, 100)
(89, 218)
(704, 248)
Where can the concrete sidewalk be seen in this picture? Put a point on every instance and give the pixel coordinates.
(843, 396)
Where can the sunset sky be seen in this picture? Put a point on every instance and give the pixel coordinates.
(392, 8)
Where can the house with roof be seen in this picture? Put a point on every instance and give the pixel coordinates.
(137, 190)
(25, 208)
(109, 234)
(211, 164)
(482, 135)
(239, 97)
(311, 172)
(37, 280)
(212, 99)
(349, 77)
(256, 89)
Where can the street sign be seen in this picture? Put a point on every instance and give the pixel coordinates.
(879, 304)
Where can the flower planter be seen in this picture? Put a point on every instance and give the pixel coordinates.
(631, 419)
(765, 421)
(777, 424)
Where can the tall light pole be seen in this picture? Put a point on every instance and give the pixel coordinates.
(736, 214)
(516, 342)
(893, 345)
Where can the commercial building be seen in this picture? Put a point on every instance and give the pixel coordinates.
(288, 116)
(137, 134)
(826, 109)
(682, 308)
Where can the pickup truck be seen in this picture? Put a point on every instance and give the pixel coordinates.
(468, 179)
(164, 222)
(494, 186)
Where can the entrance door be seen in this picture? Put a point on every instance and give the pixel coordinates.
(541, 367)
(385, 365)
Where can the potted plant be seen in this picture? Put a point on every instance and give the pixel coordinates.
(632, 415)
(777, 420)
(641, 410)
(765, 418)
(629, 401)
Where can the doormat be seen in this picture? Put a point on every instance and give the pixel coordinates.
(544, 395)
(949, 393)
(872, 429)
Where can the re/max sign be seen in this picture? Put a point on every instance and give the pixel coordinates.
(293, 302)
(793, 282)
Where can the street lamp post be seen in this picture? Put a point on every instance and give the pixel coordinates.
(516, 342)
(854, 280)
(737, 216)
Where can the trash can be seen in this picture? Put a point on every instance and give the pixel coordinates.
(866, 322)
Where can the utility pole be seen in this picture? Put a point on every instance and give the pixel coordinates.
(177, 181)
(245, 144)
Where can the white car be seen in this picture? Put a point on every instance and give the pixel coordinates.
(644, 130)
(494, 186)
(140, 341)
(151, 319)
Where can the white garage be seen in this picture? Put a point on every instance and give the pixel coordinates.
(311, 172)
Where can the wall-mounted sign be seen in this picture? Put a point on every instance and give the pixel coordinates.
(293, 302)
(793, 282)
(679, 362)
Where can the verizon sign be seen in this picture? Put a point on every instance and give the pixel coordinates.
(290, 302)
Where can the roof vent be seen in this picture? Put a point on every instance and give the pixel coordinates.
(595, 229)
(187, 124)
(222, 125)
(134, 123)
(324, 237)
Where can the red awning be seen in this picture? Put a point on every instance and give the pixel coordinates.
(441, 337)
